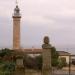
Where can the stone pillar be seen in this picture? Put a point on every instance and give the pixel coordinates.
(46, 68)
(19, 68)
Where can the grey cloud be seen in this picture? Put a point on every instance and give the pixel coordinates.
(55, 18)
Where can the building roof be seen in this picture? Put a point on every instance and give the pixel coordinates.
(63, 53)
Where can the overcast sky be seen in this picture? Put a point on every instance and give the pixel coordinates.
(53, 18)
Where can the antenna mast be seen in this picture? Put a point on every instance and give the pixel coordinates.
(16, 2)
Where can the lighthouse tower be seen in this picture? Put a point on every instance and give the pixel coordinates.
(16, 28)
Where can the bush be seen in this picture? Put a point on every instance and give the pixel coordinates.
(38, 62)
(62, 63)
(73, 62)
(9, 67)
(7, 73)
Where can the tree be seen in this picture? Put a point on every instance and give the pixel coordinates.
(39, 61)
(8, 66)
(29, 62)
(54, 57)
(4, 52)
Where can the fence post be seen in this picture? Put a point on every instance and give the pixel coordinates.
(69, 64)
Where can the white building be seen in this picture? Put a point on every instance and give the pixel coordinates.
(64, 55)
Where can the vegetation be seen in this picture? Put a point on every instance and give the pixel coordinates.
(5, 52)
(37, 60)
(73, 62)
(7, 66)
(54, 57)
(62, 63)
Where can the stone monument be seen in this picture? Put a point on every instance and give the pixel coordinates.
(46, 68)
(16, 28)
